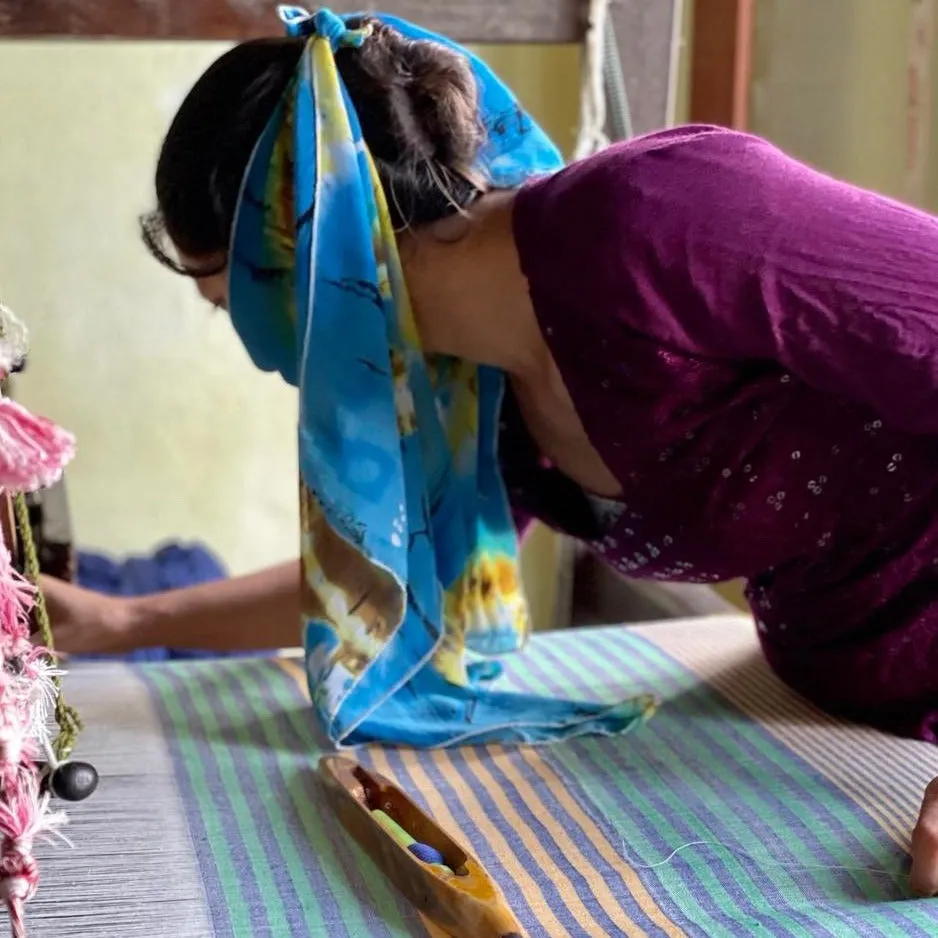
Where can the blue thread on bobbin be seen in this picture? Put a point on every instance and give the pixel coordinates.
(302, 24)
(426, 853)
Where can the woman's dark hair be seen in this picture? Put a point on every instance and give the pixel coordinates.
(417, 103)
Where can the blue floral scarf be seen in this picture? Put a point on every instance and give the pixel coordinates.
(410, 559)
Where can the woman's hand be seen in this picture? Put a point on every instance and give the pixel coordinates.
(84, 622)
(925, 845)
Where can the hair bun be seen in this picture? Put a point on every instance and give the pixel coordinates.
(416, 99)
(445, 98)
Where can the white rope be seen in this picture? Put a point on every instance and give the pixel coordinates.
(592, 134)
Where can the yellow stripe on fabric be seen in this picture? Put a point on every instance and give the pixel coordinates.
(630, 879)
(439, 809)
(293, 669)
(434, 801)
(493, 836)
(557, 876)
(724, 653)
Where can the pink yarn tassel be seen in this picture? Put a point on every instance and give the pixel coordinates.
(33, 453)
(17, 596)
(22, 819)
(33, 450)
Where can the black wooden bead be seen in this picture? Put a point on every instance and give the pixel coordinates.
(74, 781)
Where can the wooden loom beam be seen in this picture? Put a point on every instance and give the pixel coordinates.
(721, 62)
(482, 21)
(643, 27)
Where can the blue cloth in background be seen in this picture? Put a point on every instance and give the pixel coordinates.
(173, 566)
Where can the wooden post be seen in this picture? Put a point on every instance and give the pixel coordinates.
(721, 62)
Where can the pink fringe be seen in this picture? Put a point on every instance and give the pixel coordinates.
(23, 817)
(33, 450)
(24, 678)
(33, 453)
(17, 596)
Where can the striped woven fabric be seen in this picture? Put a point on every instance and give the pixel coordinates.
(785, 822)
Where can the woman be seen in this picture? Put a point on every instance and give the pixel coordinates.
(721, 364)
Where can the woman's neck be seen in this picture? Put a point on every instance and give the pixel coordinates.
(469, 295)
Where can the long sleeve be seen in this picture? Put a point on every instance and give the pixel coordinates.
(717, 244)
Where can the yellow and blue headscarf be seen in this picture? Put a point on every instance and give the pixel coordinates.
(409, 551)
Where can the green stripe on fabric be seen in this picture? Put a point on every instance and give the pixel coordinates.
(309, 903)
(673, 882)
(676, 886)
(228, 874)
(243, 813)
(382, 897)
(380, 891)
(775, 752)
(816, 795)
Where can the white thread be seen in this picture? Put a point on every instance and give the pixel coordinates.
(601, 820)
(738, 851)
(592, 133)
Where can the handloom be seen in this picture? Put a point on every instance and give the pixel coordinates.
(222, 831)
(34, 763)
(408, 545)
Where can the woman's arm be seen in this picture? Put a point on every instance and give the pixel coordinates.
(258, 611)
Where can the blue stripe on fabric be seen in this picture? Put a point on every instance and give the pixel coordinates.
(264, 803)
(598, 865)
(884, 890)
(625, 650)
(514, 894)
(290, 728)
(215, 898)
(665, 804)
(533, 823)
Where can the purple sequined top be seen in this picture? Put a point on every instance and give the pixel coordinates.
(752, 348)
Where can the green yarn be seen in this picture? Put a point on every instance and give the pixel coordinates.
(66, 717)
(393, 828)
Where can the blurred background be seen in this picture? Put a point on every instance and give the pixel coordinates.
(180, 439)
